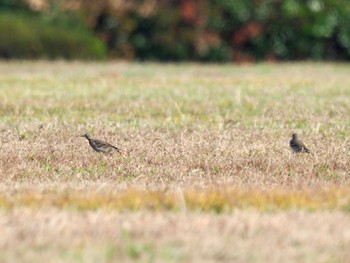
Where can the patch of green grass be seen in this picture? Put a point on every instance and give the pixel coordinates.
(178, 99)
(104, 253)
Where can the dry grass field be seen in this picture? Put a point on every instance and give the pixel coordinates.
(206, 173)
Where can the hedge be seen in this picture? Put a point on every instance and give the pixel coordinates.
(27, 36)
(168, 30)
(225, 30)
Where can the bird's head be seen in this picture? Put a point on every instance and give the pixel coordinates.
(86, 135)
(295, 136)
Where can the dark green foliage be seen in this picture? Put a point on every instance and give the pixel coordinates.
(159, 37)
(13, 5)
(289, 29)
(233, 30)
(32, 36)
(17, 39)
(199, 30)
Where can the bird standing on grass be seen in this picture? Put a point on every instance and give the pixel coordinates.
(100, 146)
(297, 145)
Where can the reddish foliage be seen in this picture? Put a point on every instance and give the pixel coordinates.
(244, 34)
(254, 29)
(189, 10)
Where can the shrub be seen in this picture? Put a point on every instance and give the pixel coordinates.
(223, 30)
(27, 36)
(201, 30)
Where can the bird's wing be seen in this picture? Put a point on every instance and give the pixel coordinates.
(303, 147)
(295, 145)
(99, 143)
(299, 146)
(102, 144)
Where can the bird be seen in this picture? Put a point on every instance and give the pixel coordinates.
(100, 146)
(297, 145)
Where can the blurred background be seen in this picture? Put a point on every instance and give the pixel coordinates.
(176, 30)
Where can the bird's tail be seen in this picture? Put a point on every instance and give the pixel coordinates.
(306, 150)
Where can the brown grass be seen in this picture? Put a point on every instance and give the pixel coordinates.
(243, 236)
(203, 139)
(156, 157)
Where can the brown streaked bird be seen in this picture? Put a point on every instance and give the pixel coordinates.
(297, 145)
(100, 146)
